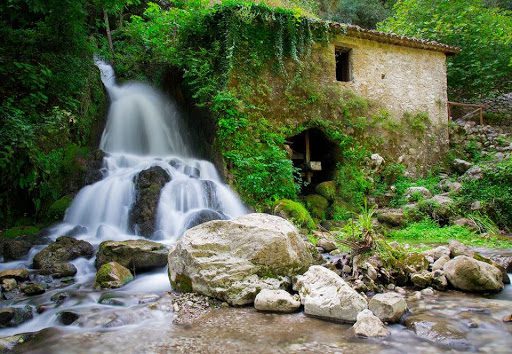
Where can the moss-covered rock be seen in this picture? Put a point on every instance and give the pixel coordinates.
(294, 212)
(64, 249)
(468, 274)
(317, 205)
(327, 190)
(112, 275)
(137, 255)
(416, 263)
(57, 210)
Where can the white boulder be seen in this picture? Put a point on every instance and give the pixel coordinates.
(324, 294)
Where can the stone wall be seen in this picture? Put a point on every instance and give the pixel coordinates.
(402, 79)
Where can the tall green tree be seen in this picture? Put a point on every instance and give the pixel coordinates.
(364, 13)
(484, 33)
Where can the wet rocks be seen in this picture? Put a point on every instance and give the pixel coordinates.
(421, 280)
(112, 275)
(232, 260)
(325, 242)
(68, 317)
(14, 316)
(18, 274)
(148, 185)
(388, 307)
(439, 330)
(15, 249)
(201, 216)
(31, 289)
(63, 250)
(324, 294)
(468, 274)
(276, 301)
(59, 270)
(136, 255)
(369, 325)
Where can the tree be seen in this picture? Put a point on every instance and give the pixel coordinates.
(365, 13)
(484, 66)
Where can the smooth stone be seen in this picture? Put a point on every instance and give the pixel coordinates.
(276, 301)
(369, 325)
(468, 274)
(388, 307)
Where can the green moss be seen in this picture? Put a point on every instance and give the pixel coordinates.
(112, 275)
(327, 190)
(57, 210)
(317, 206)
(182, 283)
(295, 212)
(14, 232)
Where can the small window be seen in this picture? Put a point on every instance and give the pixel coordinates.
(343, 72)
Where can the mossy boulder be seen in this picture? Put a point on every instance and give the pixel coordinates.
(327, 190)
(232, 260)
(317, 205)
(112, 275)
(57, 210)
(468, 274)
(294, 212)
(136, 255)
(64, 249)
(416, 263)
(148, 185)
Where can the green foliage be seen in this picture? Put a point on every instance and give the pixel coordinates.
(483, 68)
(417, 123)
(358, 233)
(50, 98)
(58, 208)
(17, 231)
(317, 205)
(494, 191)
(428, 231)
(295, 212)
(364, 13)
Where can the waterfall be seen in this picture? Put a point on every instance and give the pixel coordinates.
(144, 129)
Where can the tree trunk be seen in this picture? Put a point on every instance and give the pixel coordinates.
(109, 35)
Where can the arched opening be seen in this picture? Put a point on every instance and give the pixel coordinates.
(315, 155)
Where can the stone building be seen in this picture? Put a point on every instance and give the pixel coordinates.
(404, 74)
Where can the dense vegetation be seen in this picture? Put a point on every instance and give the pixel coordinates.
(249, 65)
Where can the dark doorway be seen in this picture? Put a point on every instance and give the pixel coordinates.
(315, 155)
(343, 69)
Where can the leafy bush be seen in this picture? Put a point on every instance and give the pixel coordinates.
(14, 232)
(494, 191)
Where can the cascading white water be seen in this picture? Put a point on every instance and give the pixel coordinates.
(143, 130)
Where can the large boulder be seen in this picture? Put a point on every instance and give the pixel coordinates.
(63, 250)
(112, 275)
(468, 274)
(389, 307)
(232, 260)
(391, 217)
(136, 255)
(148, 185)
(276, 301)
(369, 325)
(201, 216)
(325, 294)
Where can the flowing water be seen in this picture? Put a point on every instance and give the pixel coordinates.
(144, 130)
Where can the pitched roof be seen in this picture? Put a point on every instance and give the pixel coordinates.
(392, 38)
